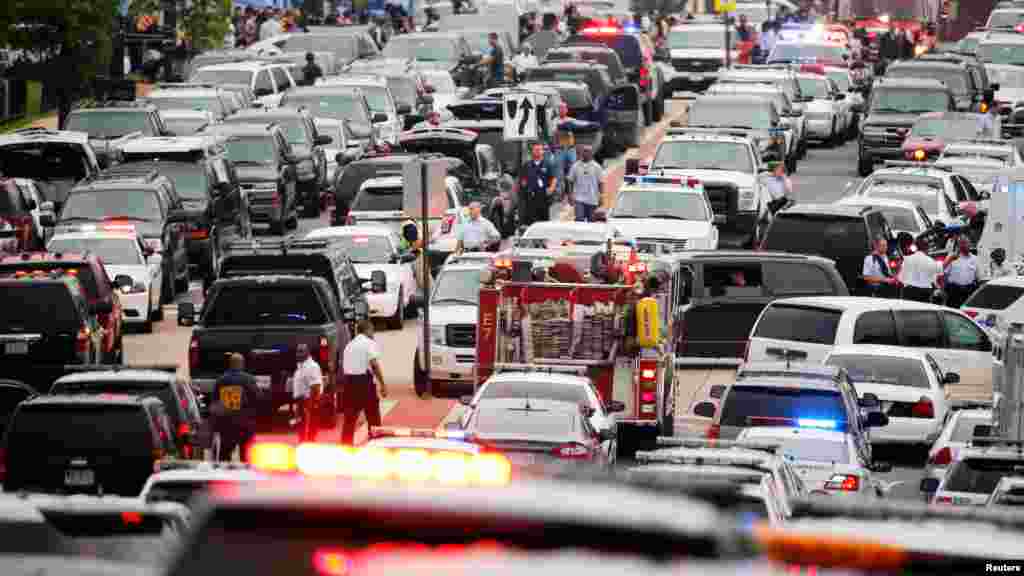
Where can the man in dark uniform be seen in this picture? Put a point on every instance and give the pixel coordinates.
(236, 407)
(536, 187)
(311, 71)
(360, 363)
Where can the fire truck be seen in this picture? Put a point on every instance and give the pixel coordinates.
(615, 333)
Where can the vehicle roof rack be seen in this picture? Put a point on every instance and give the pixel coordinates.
(77, 368)
(971, 405)
(545, 368)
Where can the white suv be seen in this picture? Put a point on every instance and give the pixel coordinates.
(268, 81)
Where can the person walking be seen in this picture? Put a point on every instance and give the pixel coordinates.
(360, 364)
(494, 60)
(587, 177)
(311, 71)
(961, 271)
(477, 234)
(779, 186)
(564, 152)
(878, 277)
(536, 187)
(307, 385)
(919, 274)
(236, 408)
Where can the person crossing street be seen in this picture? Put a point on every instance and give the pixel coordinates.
(587, 178)
(360, 364)
(537, 185)
(235, 409)
(476, 234)
(311, 71)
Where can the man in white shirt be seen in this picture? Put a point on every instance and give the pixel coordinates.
(961, 274)
(878, 278)
(918, 274)
(361, 356)
(477, 233)
(307, 383)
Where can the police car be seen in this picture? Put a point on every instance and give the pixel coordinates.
(669, 210)
(373, 248)
(127, 258)
(182, 480)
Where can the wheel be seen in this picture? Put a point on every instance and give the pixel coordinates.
(865, 166)
(659, 106)
(396, 321)
(181, 284)
(419, 376)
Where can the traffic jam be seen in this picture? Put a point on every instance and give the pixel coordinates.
(568, 286)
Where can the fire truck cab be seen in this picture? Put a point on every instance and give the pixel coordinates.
(618, 334)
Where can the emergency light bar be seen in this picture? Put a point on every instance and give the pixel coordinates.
(112, 227)
(391, 432)
(694, 442)
(702, 458)
(688, 182)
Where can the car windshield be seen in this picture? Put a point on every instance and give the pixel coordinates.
(704, 155)
(110, 123)
(902, 219)
(559, 236)
(535, 390)
(209, 104)
(340, 106)
(829, 237)
(748, 406)
(994, 296)
(924, 195)
(113, 251)
(295, 129)
(457, 286)
(954, 78)
(714, 113)
(644, 203)
(100, 204)
(190, 180)
(806, 52)
(208, 76)
(814, 87)
(441, 81)
(908, 101)
(47, 308)
(539, 422)
(185, 126)
(698, 39)
(252, 150)
(883, 370)
(992, 53)
(841, 78)
(254, 304)
(980, 475)
(424, 49)
(964, 431)
(958, 128)
(365, 249)
(816, 450)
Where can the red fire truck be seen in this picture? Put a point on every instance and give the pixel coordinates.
(617, 334)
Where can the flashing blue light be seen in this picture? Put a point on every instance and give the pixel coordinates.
(455, 434)
(630, 29)
(816, 423)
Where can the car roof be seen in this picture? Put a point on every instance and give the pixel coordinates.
(540, 377)
(156, 377)
(873, 202)
(207, 474)
(788, 432)
(327, 88)
(602, 227)
(878, 350)
(556, 84)
(170, 143)
(184, 93)
(88, 234)
(918, 171)
(265, 113)
(30, 135)
(828, 209)
(184, 113)
(538, 404)
(748, 255)
(856, 303)
(794, 369)
(949, 115)
(1001, 146)
(734, 99)
(341, 231)
(572, 65)
(900, 64)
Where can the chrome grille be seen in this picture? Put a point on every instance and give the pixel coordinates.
(460, 335)
(676, 244)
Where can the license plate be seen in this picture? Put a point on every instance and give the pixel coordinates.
(520, 459)
(263, 382)
(16, 348)
(79, 478)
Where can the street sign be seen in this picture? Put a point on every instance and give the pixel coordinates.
(725, 6)
(520, 111)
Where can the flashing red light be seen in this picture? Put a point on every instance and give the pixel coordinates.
(647, 397)
(329, 563)
(872, 35)
(601, 30)
(923, 408)
(714, 431)
(943, 457)
(844, 482)
(184, 429)
(199, 234)
(1019, 28)
(645, 76)
(131, 518)
(944, 500)
(119, 227)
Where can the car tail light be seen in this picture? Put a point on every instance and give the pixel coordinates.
(573, 451)
(714, 431)
(844, 482)
(645, 76)
(447, 223)
(324, 353)
(199, 234)
(971, 313)
(944, 500)
(923, 408)
(82, 341)
(193, 353)
(942, 458)
(184, 429)
(647, 378)
(275, 200)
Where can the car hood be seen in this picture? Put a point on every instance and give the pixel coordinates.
(661, 228)
(390, 271)
(447, 141)
(739, 179)
(700, 54)
(927, 144)
(901, 120)
(138, 273)
(266, 173)
(445, 313)
(890, 392)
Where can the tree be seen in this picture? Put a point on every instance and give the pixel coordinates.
(204, 23)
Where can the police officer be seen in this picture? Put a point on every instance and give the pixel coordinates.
(919, 273)
(311, 71)
(307, 384)
(236, 401)
(360, 394)
(878, 277)
(961, 274)
(537, 184)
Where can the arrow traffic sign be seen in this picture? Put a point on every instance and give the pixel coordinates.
(520, 114)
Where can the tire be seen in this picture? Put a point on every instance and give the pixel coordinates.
(396, 321)
(865, 166)
(419, 376)
(659, 105)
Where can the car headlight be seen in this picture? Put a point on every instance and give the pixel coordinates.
(437, 335)
(747, 197)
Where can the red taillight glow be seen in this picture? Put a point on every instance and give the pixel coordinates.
(332, 563)
(324, 353)
(647, 397)
(193, 352)
(714, 431)
(648, 372)
(1019, 27)
(350, 221)
(943, 457)
(131, 518)
(645, 77)
(573, 451)
(844, 482)
(184, 429)
(944, 500)
(923, 409)
(600, 30)
(971, 313)
(199, 234)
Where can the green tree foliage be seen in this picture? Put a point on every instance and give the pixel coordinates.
(204, 22)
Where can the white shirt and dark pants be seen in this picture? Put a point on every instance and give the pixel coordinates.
(359, 393)
(918, 275)
(307, 375)
(961, 279)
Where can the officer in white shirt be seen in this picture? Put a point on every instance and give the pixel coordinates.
(961, 274)
(361, 356)
(307, 383)
(878, 277)
(918, 273)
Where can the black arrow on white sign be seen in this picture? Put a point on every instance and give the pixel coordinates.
(526, 107)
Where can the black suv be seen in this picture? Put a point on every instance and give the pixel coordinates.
(985, 89)
(595, 52)
(140, 196)
(843, 234)
(717, 314)
(306, 145)
(97, 444)
(956, 75)
(349, 180)
(206, 181)
(111, 124)
(894, 106)
(265, 165)
(636, 52)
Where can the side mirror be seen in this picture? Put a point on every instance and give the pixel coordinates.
(378, 282)
(380, 117)
(177, 217)
(615, 406)
(877, 420)
(47, 219)
(704, 409)
(186, 313)
(323, 140)
(462, 92)
(869, 400)
(466, 400)
(719, 219)
(403, 109)
(123, 283)
(951, 378)
(607, 434)
(881, 467)
(929, 485)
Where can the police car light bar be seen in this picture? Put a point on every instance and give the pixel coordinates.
(596, 31)
(391, 432)
(763, 445)
(688, 182)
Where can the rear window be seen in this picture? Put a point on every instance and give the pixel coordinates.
(883, 370)
(537, 422)
(353, 176)
(818, 236)
(747, 406)
(790, 278)
(994, 297)
(539, 390)
(162, 393)
(378, 200)
(816, 450)
(255, 305)
(721, 322)
(81, 429)
(47, 308)
(799, 324)
(290, 265)
(980, 475)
